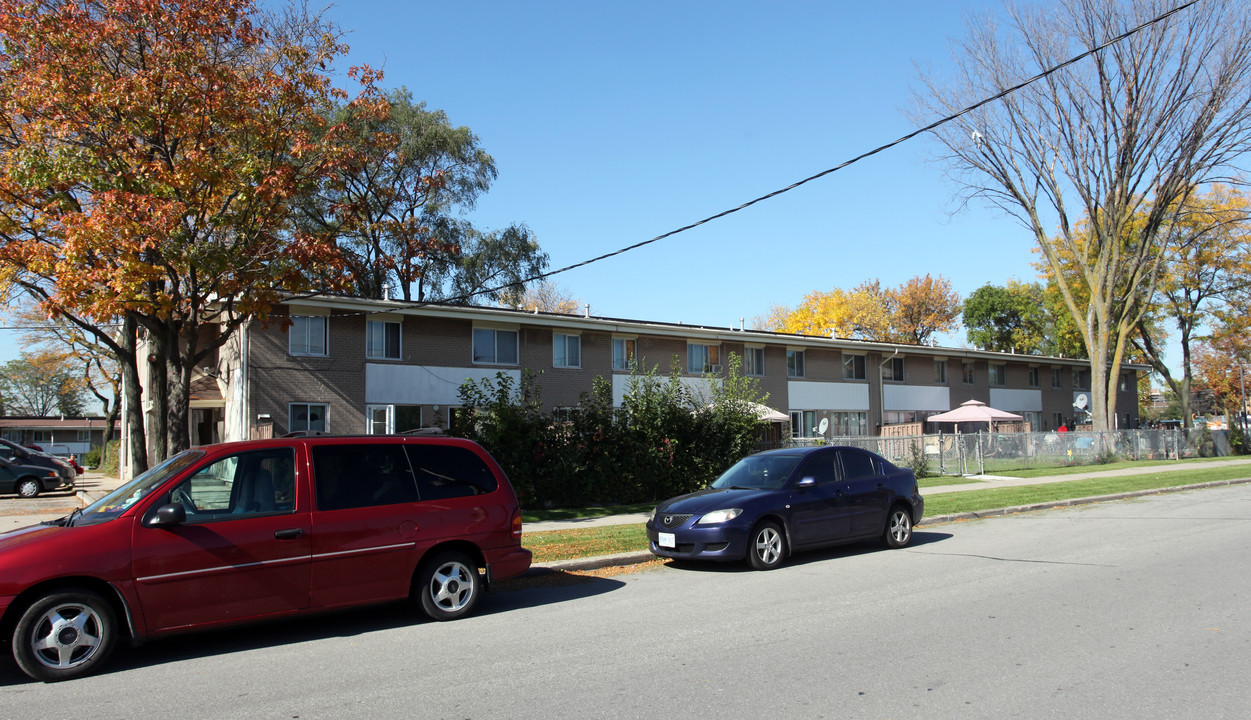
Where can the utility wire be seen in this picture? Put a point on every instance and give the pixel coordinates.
(836, 168)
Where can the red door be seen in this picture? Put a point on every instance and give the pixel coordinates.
(243, 551)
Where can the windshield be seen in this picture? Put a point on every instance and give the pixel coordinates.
(767, 472)
(116, 502)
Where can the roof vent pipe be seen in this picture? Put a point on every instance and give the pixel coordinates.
(740, 324)
(587, 310)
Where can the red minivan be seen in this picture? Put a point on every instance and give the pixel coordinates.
(248, 531)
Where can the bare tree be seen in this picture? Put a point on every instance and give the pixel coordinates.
(1133, 128)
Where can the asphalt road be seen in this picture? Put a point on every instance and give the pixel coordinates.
(1127, 609)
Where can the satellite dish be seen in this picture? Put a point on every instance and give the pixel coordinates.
(823, 426)
(1081, 402)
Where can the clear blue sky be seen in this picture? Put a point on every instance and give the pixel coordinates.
(612, 123)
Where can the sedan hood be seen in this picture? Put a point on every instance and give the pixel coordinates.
(709, 499)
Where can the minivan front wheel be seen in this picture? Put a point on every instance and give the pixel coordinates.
(64, 635)
(449, 586)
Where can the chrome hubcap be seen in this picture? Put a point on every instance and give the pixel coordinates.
(451, 588)
(900, 526)
(769, 545)
(66, 636)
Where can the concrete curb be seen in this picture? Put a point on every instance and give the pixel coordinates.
(632, 558)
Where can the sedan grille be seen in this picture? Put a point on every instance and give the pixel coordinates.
(670, 520)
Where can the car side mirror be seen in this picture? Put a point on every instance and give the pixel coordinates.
(807, 482)
(169, 515)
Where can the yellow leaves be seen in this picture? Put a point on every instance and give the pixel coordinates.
(910, 313)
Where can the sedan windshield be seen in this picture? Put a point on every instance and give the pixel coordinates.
(767, 472)
(116, 502)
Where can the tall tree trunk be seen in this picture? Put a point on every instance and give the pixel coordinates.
(136, 435)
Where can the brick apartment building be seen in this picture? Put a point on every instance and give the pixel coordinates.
(349, 365)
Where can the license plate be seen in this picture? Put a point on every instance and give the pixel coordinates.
(666, 540)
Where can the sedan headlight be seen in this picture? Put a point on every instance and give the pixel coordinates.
(719, 516)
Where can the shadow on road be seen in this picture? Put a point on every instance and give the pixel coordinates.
(808, 557)
(341, 624)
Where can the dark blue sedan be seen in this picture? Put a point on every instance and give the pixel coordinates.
(774, 503)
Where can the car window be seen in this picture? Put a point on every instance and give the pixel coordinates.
(820, 467)
(366, 475)
(768, 471)
(857, 464)
(447, 471)
(261, 482)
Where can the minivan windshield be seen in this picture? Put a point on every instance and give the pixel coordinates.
(116, 502)
(766, 472)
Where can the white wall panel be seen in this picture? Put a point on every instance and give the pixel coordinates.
(423, 385)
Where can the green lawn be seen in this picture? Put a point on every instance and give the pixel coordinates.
(589, 542)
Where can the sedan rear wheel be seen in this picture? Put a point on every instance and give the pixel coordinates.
(898, 528)
(767, 547)
(28, 488)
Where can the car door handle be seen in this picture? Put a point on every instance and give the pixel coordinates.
(291, 534)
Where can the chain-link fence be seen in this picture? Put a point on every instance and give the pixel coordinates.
(988, 453)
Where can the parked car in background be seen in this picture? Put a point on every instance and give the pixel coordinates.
(774, 503)
(28, 456)
(27, 480)
(240, 532)
(62, 452)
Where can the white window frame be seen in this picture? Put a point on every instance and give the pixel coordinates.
(894, 367)
(940, 372)
(561, 344)
(754, 360)
(1035, 380)
(853, 370)
(968, 373)
(371, 419)
(493, 359)
(624, 351)
(308, 406)
(301, 329)
(702, 358)
(378, 331)
(997, 375)
(796, 363)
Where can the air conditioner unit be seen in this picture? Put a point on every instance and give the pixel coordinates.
(714, 368)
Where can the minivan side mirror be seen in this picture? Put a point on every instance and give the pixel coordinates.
(169, 515)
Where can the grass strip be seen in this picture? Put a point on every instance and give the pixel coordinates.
(554, 545)
(993, 499)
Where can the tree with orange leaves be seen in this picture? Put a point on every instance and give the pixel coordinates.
(150, 152)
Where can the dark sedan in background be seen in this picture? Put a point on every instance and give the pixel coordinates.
(774, 503)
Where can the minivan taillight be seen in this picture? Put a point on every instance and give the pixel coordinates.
(517, 525)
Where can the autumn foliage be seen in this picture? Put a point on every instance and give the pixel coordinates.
(911, 313)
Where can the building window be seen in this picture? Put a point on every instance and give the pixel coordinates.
(803, 423)
(1033, 380)
(622, 353)
(1056, 376)
(997, 374)
(494, 347)
(1127, 382)
(379, 419)
(566, 350)
(853, 367)
(969, 376)
(893, 370)
(940, 372)
(304, 417)
(1059, 417)
(1081, 379)
(795, 364)
(848, 424)
(702, 359)
(84, 436)
(307, 335)
(753, 361)
(382, 340)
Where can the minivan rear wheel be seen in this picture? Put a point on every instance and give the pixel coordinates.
(449, 586)
(64, 635)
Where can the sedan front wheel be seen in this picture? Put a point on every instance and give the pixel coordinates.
(64, 635)
(767, 547)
